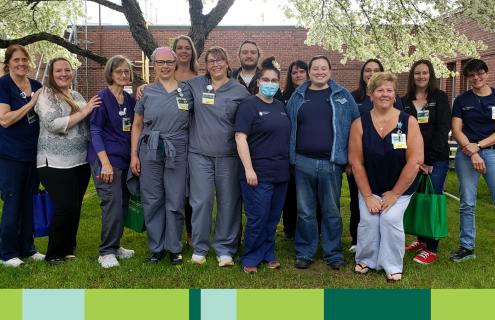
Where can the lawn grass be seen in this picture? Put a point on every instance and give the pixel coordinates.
(85, 272)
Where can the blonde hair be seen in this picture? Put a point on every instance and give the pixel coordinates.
(379, 78)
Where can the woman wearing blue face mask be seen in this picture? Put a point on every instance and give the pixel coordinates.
(262, 136)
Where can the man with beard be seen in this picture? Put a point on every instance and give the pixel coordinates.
(248, 73)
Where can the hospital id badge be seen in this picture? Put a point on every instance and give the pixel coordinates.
(32, 117)
(208, 98)
(399, 141)
(493, 113)
(423, 116)
(126, 124)
(182, 104)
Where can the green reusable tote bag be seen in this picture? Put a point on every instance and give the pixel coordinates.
(135, 215)
(426, 215)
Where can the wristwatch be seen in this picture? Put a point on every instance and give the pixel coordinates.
(479, 146)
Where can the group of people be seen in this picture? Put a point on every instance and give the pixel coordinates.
(235, 137)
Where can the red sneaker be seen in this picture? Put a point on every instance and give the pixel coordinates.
(416, 246)
(426, 257)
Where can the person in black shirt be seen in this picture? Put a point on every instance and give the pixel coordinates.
(297, 74)
(430, 106)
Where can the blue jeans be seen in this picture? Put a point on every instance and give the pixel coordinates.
(438, 176)
(263, 205)
(318, 181)
(468, 187)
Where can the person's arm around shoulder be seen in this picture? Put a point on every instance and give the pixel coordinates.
(414, 159)
(356, 160)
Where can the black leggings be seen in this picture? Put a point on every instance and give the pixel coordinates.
(66, 188)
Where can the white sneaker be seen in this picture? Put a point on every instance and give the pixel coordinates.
(37, 257)
(123, 253)
(352, 249)
(108, 261)
(225, 261)
(197, 259)
(14, 262)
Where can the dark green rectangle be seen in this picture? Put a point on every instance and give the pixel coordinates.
(377, 304)
(194, 304)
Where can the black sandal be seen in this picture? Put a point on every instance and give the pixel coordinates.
(363, 269)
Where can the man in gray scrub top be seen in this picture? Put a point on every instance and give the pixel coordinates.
(159, 156)
(213, 160)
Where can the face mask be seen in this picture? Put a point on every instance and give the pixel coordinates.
(268, 89)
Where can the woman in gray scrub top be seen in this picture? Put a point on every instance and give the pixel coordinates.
(213, 161)
(159, 156)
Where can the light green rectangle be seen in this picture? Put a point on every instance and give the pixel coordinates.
(137, 304)
(11, 304)
(270, 304)
(462, 304)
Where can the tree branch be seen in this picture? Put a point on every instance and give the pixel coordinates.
(201, 25)
(109, 4)
(32, 38)
(138, 27)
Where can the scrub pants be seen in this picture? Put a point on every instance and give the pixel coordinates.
(207, 175)
(380, 243)
(163, 193)
(17, 187)
(263, 206)
(66, 188)
(114, 203)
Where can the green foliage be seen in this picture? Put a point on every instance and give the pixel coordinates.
(387, 29)
(18, 20)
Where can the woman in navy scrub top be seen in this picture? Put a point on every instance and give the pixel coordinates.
(362, 98)
(473, 127)
(430, 106)
(385, 151)
(18, 139)
(262, 136)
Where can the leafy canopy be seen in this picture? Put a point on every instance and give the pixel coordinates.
(17, 19)
(398, 32)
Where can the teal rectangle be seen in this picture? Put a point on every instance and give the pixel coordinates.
(60, 304)
(377, 304)
(219, 304)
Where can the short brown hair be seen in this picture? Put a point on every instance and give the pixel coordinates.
(112, 64)
(219, 53)
(379, 78)
(10, 51)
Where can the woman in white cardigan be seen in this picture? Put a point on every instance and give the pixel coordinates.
(61, 160)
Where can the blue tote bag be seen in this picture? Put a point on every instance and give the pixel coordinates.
(42, 213)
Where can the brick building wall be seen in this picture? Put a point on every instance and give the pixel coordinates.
(285, 43)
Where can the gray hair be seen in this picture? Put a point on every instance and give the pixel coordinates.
(112, 64)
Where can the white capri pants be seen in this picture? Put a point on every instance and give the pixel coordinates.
(380, 240)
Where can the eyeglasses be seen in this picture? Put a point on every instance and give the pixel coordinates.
(161, 63)
(216, 61)
(480, 74)
(122, 72)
